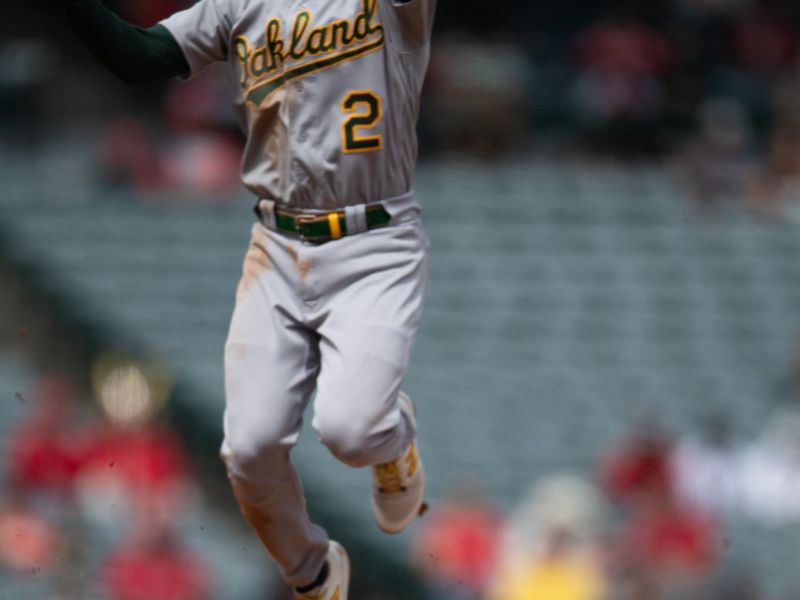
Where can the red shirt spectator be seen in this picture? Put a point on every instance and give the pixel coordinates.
(639, 466)
(668, 538)
(156, 569)
(42, 453)
(765, 44)
(144, 458)
(457, 545)
(622, 47)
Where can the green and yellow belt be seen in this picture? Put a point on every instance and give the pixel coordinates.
(321, 227)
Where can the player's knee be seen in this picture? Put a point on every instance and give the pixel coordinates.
(246, 453)
(348, 440)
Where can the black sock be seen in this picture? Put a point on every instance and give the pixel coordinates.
(323, 575)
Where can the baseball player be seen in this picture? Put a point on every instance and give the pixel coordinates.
(337, 268)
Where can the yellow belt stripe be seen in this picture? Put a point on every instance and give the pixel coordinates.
(336, 229)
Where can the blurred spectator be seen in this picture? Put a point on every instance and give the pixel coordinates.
(202, 102)
(622, 45)
(28, 542)
(456, 544)
(204, 151)
(152, 565)
(199, 152)
(758, 45)
(765, 40)
(129, 157)
(133, 467)
(672, 546)
(639, 466)
(133, 462)
(551, 544)
(203, 162)
(664, 547)
(619, 91)
(707, 468)
(775, 191)
(718, 164)
(771, 468)
(491, 82)
(199, 160)
(564, 571)
(43, 453)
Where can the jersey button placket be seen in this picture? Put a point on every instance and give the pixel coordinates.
(296, 173)
(303, 135)
(307, 284)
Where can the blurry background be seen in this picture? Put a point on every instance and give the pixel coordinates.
(608, 372)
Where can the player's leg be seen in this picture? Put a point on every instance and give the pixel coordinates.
(270, 365)
(367, 337)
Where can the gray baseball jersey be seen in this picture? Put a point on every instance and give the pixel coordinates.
(327, 91)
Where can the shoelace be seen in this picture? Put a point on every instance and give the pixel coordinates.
(390, 478)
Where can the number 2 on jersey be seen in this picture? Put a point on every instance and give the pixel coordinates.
(365, 108)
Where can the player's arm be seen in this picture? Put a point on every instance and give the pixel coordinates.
(132, 53)
(410, 23)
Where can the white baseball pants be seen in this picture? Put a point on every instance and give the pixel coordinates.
(341, 317)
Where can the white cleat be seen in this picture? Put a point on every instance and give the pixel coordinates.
(335, 586)
(398, 487)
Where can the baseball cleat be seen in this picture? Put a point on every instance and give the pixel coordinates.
(398, 487)
(336, 584)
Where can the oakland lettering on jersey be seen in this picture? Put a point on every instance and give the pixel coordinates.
(326, 45)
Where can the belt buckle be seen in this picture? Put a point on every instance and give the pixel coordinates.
(303, 219)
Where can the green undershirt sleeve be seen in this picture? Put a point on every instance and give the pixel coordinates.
(132, 53)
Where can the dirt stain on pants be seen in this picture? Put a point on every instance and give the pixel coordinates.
(256, 261)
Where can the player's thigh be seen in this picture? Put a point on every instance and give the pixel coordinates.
(367, 339)
(270, 363)
(267, 386)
